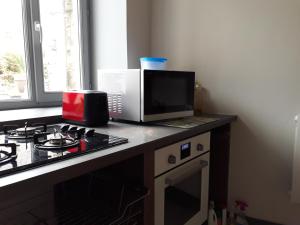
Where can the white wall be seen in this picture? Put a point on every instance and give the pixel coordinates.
(120, 34)
(138, 31)
(247, 56)
(109, 26)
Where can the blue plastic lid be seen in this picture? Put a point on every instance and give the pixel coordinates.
(153, 59)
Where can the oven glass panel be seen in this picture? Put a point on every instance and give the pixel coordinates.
(168, 91)
(183, 200)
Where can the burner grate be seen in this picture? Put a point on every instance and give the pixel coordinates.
(26, 132)
(8, 156)
(64, 144)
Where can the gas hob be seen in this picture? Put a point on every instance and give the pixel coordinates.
(22, 148)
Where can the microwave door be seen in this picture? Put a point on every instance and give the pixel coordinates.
(167, 94)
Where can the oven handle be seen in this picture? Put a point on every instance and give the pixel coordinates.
(172, 180)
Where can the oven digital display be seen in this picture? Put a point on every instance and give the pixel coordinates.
(185, 150)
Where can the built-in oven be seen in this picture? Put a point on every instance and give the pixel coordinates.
(182, 182)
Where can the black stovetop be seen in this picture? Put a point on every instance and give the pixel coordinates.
(30, 152)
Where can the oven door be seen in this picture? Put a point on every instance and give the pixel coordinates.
(181, 195)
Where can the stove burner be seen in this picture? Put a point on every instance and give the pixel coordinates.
(50, 146)
(68, 137)
(58, 142)
(26, 132)
(8, 156)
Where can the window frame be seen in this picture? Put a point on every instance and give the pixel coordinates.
(84, 40)
(33, 58)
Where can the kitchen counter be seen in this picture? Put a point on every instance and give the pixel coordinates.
(142, 138)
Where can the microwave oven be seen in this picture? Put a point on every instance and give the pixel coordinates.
(148, 95)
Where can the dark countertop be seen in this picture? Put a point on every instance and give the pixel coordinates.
(142, 138)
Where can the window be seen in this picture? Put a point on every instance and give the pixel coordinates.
(60, 44)
(13, 77)
(41, 45)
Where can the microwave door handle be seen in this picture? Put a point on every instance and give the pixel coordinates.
(176, 178)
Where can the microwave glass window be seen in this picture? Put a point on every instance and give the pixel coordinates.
(165, 92)
(183, 200)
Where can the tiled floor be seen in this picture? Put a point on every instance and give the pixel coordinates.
(252, 221)
(260, 222)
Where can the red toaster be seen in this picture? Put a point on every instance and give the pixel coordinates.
(87, 107)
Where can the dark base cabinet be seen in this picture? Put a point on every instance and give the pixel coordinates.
(98, 198)
(219, 165)
(111, 196)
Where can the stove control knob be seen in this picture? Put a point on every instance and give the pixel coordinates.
(200, 147)
(81, 131)
(172, 159)
(73, 129)
(90, 133)
(64, 128)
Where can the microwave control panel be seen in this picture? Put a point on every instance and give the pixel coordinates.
(176, 154)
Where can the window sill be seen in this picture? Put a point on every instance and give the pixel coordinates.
(48, 115)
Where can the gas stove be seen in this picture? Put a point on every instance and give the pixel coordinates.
(22, 148)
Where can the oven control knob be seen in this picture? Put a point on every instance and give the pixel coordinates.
(172, 159)
(200, 147)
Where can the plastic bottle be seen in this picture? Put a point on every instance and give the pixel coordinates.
(231, 219)
(224, 216)
(241, 216)
(212, 217)
(198, 103)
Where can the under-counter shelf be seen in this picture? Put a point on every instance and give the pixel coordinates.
(99, 201)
